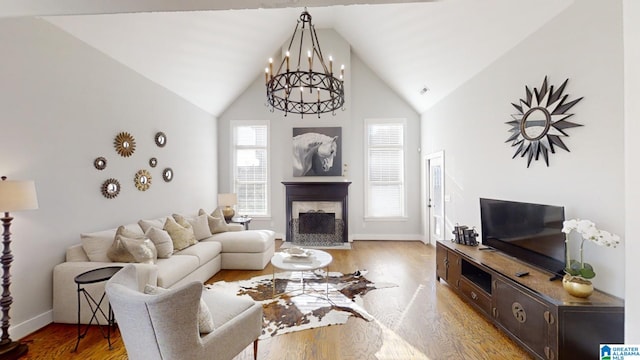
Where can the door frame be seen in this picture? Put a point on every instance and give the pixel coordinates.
(426, 184)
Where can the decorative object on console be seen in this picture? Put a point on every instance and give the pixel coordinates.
(305, 91)
(125, 144)
(160, 139)
(226, 201)
(317, 151)
(167, 174)
(153, 162)
(14, 196)
(143, 180)
(465, 236)
(110, 188)
(540, 122)
(578, 272)
(100, 163)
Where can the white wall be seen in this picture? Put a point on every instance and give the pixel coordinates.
(366, 97)
(632, 171)
(61, 105)
(583, 44)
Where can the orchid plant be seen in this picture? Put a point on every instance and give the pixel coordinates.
(588, 231)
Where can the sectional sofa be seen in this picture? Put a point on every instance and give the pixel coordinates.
(216, 246)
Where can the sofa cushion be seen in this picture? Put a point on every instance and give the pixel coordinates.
(205, 321)
(248, 241)
(204, 251)
(216, 224)
(181, 234)
(156, 223)
(174, 269)
(162, 241)
(199, 224)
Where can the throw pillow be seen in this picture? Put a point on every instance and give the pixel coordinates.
(205, 320)
(129, 250)
(216, 224)
(147, 224)
(96, 244)
(199, 224)
(128, 233)
(181, 236)
(162, 241)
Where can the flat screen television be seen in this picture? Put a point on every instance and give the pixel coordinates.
(529, 232)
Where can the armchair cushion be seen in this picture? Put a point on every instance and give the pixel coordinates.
(205, 321)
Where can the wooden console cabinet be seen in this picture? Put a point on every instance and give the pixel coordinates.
(532, 310)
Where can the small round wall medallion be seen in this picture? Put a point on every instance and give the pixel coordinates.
(100, 163)
(110, 188)
(167, 174)
(143, 180)
(161, 139)
(125, 144)
(153, 162)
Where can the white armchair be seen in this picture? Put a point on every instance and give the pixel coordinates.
(165, 326)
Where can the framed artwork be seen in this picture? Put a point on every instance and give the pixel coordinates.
(317, 151)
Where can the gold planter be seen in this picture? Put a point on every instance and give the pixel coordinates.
(577, 286)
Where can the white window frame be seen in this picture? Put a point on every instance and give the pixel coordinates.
(234, 124)
(367, 183)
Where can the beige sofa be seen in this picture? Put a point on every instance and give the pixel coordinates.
(232, 249)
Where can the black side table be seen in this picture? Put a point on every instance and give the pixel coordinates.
(92, 277)
(242, 220)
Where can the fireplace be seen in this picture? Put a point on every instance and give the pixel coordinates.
(316, 213)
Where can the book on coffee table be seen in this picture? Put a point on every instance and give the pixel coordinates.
(296, 259)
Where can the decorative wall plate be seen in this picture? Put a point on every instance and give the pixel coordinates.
(110, 188)
(100, 163)
(125, 144)
(161, 139)
(167, 174)
(540, 122)
(153, 162)
(142, 180)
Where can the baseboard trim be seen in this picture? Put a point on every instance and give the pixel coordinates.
(27, 327)
(391, 237)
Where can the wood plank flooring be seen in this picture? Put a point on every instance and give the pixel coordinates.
(420, 319)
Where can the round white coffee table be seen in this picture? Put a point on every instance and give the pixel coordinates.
(316, 259)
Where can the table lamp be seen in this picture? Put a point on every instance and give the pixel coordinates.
(226, 201)
(14, 196)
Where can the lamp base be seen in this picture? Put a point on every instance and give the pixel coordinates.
(12, 350)
(228, 213)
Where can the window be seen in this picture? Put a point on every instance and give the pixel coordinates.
(251, 166)
(384, 178)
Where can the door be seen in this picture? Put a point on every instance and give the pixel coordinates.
(435, 197)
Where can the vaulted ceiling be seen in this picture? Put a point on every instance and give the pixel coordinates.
(208, 52)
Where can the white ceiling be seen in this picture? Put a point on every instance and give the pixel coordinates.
(210, 57)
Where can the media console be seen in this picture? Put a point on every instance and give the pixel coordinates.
(536, 313)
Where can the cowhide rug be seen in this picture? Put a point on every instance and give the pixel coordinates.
(293, 310)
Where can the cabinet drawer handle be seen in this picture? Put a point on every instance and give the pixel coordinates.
(474, 296)
(549, 353)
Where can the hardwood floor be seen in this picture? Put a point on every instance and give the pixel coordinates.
(420, 319)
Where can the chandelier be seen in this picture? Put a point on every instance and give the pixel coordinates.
(310, 87)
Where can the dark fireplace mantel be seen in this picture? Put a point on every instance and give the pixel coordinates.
(317, 191)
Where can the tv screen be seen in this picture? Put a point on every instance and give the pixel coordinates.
(529, 232)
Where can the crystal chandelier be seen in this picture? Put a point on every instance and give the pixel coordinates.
(310, 87)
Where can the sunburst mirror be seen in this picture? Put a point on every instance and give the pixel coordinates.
(143, 180)
(541, 122)
(110, 188)
(125, 144)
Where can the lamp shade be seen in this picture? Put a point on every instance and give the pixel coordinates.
(17, 195)
(227, 199)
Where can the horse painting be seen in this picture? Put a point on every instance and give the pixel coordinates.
(313, 153)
